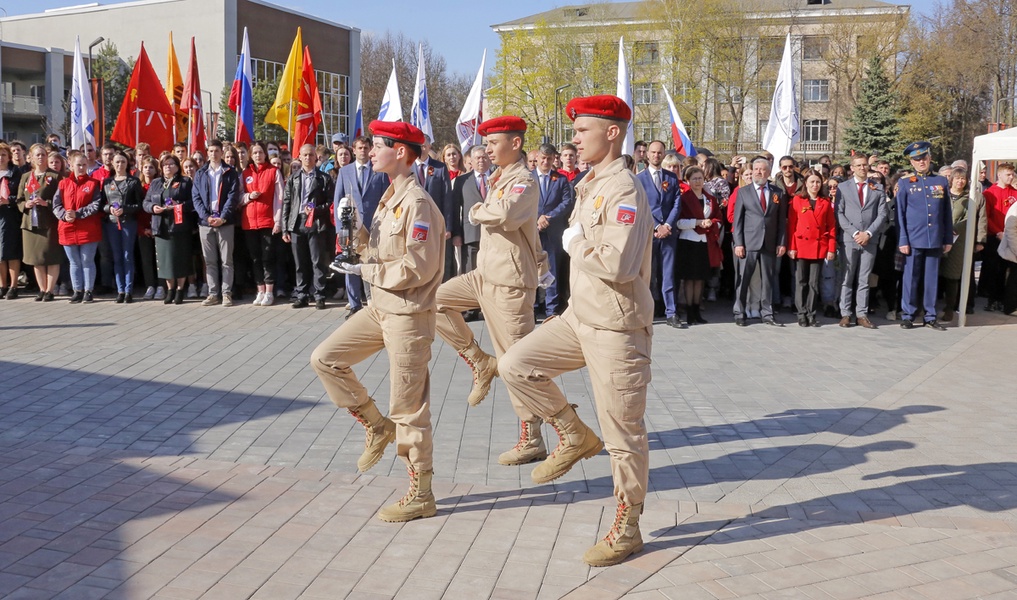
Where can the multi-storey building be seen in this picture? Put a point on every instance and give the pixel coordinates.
(718, 60)
(36, 81)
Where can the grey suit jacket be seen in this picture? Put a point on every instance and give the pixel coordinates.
(757, 231)
(466, 186)
(853, 217)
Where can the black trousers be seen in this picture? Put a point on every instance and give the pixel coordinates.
(310, 254)
(993, 276)
(807, 273)
(262, 253)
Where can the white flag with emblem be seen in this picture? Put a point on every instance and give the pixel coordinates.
(420, 114)
(625, 93)
(782, 131)
(391, 109)
(82, 109)
(472, 116)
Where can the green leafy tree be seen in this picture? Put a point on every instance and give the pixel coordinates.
(263, 95)
(115, 73)
(875, 121)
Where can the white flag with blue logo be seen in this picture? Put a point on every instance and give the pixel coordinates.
(391, 108)
(782, 131)
(82, 109)
(625, 93)
(420, 114)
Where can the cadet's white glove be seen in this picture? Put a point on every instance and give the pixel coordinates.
(546, 280)
(350, 269)
(469, 217)
(569, 234)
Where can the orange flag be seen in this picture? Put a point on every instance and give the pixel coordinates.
(146, 114)
(190, 103)
(308, 112)
(175, 90)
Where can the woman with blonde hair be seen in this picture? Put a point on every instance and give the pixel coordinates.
(453, 159)
(42, 247)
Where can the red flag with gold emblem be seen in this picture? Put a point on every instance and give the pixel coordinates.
(308, 113)
(190, 103)
(146, 114)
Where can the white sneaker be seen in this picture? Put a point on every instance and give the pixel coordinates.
(63, 290)
(192, 291)
(340, 294)
(280, 294)
(711, 295)
(160, 293)
(268, 299)
(258, 299)
(204, 290)
(891, 316)
(149, 293)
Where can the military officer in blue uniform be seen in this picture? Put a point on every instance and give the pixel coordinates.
(925, 223)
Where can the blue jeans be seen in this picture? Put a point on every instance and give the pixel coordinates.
(121, 241)
(82, 259)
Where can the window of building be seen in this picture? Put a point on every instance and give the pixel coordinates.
(646, 53)
(763, 124)
(647, 130)
(816, 90)
(644, 93)
(766, 88)
(725, 131)
(771, 49)
(334, 91)
(729, 93)
(816, 130)
(815, 47)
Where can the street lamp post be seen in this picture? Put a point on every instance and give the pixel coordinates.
(99, 129)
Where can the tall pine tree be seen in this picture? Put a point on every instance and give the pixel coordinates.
(875, 120)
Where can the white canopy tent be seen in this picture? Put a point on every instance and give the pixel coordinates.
(1001, 145)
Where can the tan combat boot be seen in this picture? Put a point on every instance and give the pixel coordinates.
(417, 503)
(529, 448)
(381, 432)
(577, 441)
(485, 369)
(622, 540)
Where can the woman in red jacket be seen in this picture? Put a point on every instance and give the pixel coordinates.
(261, 219)
(812, 231)
(77, 205)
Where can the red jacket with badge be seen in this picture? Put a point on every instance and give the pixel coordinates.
(260, 213)
(82, 195)
(997, 202)
(813, 232)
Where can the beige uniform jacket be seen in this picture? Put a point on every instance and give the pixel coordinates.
(610, 271)
(405, 255)
(510, 249)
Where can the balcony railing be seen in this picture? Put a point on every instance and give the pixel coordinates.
(745, 148)
(22, 105)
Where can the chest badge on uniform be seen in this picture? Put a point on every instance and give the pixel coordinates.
(519, 188)
(598, 202)
(626, 214)
(420, 231)
(398, 211)
(501, 193)
(664, 184)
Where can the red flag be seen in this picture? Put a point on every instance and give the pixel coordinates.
(308, 106)
(146, 114)
(191, 104)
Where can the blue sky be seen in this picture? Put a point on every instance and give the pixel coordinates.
(457, 29)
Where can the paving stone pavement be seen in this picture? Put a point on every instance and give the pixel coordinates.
(151, 451)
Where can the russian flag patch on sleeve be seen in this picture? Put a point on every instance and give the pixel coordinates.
(419, 232)
(519, 188)
(626, 214)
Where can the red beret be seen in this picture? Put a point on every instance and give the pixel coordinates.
(604, 107)
(506, 124)
(398, 131)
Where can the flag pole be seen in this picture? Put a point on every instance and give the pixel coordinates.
(137, 126)
(289, 130)
(190, 117)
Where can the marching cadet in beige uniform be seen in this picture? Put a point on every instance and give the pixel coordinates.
(606, 327)
(505, 281)
(403, 261)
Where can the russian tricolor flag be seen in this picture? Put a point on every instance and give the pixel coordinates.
(242, 96)
(682, 143)
(358, 120)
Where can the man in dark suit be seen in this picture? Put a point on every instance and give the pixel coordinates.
(433, 177)
(216, 196)
(760, 238)
(861, 211)
(359, 181)
(662, 191)
(306, 203)
(468, 190)
(553, 212)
